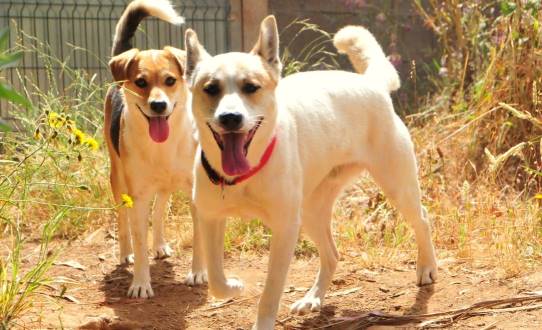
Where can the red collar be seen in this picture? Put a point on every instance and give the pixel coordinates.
(218, 179)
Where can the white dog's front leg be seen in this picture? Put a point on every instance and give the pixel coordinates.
(139, 215)
(198, 275)
(212, 234)
(282, 249)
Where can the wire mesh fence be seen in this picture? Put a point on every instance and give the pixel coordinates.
(79, 33)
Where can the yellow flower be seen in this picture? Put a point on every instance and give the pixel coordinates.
(127, 201)
(70, 124)
(91, 142)
(79, 135)
(538, 196)
(55, 120)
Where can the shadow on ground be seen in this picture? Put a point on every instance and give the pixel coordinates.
(169, 307)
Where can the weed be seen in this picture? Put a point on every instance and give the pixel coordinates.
(17, 285)
(492, 63)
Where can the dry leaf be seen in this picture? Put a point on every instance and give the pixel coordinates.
(344, 292)
(72, 264)
(71, 299)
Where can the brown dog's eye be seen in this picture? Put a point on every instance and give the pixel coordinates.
(170, 81)
(141, 83)
(250, 88)
(212, 89)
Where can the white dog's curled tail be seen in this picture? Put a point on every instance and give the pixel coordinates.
(366, 55)
(134, 13)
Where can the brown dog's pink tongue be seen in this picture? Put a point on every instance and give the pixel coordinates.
(234, 161)
(158, 129)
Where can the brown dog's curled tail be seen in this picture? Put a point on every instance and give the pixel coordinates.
(134, 14)
(366, 55)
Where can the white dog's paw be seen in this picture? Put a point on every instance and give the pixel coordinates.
(309, 303)
(196, 278)
(232, 288)
(140, 289)
(127, 259)
(426, 274)
(162, 251)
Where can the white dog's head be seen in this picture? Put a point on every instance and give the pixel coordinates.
(233, 98)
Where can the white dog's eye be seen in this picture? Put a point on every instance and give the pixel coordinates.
(250, 88)
(212, 89)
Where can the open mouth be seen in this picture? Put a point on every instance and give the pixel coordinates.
(158, 126)
(234, 149)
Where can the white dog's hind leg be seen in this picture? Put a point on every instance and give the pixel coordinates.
(198, 274)
(317, 216)
(285, 231)
(212, 234)
(139, 217)
(160, 247)
(395, 172)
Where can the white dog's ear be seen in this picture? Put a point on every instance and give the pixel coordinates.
(267, 45)
(194, 53)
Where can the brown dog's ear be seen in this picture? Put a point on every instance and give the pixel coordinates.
(267, 46)
(194, 54)
(179, 56)
(120, 64)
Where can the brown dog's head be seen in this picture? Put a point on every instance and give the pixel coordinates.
(233, 98)
(154, 84)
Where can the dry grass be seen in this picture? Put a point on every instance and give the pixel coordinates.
(490, 85)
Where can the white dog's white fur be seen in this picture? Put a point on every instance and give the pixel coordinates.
(330, 125)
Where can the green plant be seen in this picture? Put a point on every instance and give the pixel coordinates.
(7, 60)
(18, 285)
(492, 65)
(51, 167)
(53, 158)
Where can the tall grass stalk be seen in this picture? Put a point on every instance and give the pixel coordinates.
(316, 54)
(18, 286)
(492, 70)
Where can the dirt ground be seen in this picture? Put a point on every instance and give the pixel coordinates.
(95, 288)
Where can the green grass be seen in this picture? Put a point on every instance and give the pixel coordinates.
(52, 179)
(18, 286)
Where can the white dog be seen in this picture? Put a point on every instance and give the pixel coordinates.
(283, 151)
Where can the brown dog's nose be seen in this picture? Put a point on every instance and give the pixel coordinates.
(158, 106)
(231, 121)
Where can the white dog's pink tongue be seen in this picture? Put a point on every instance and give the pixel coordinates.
(158, 129)
(234, 161)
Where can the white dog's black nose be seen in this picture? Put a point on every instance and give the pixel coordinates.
(231, 121)
(158, 106)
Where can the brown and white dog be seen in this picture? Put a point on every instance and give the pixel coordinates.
(282, 150)
(150, 141)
